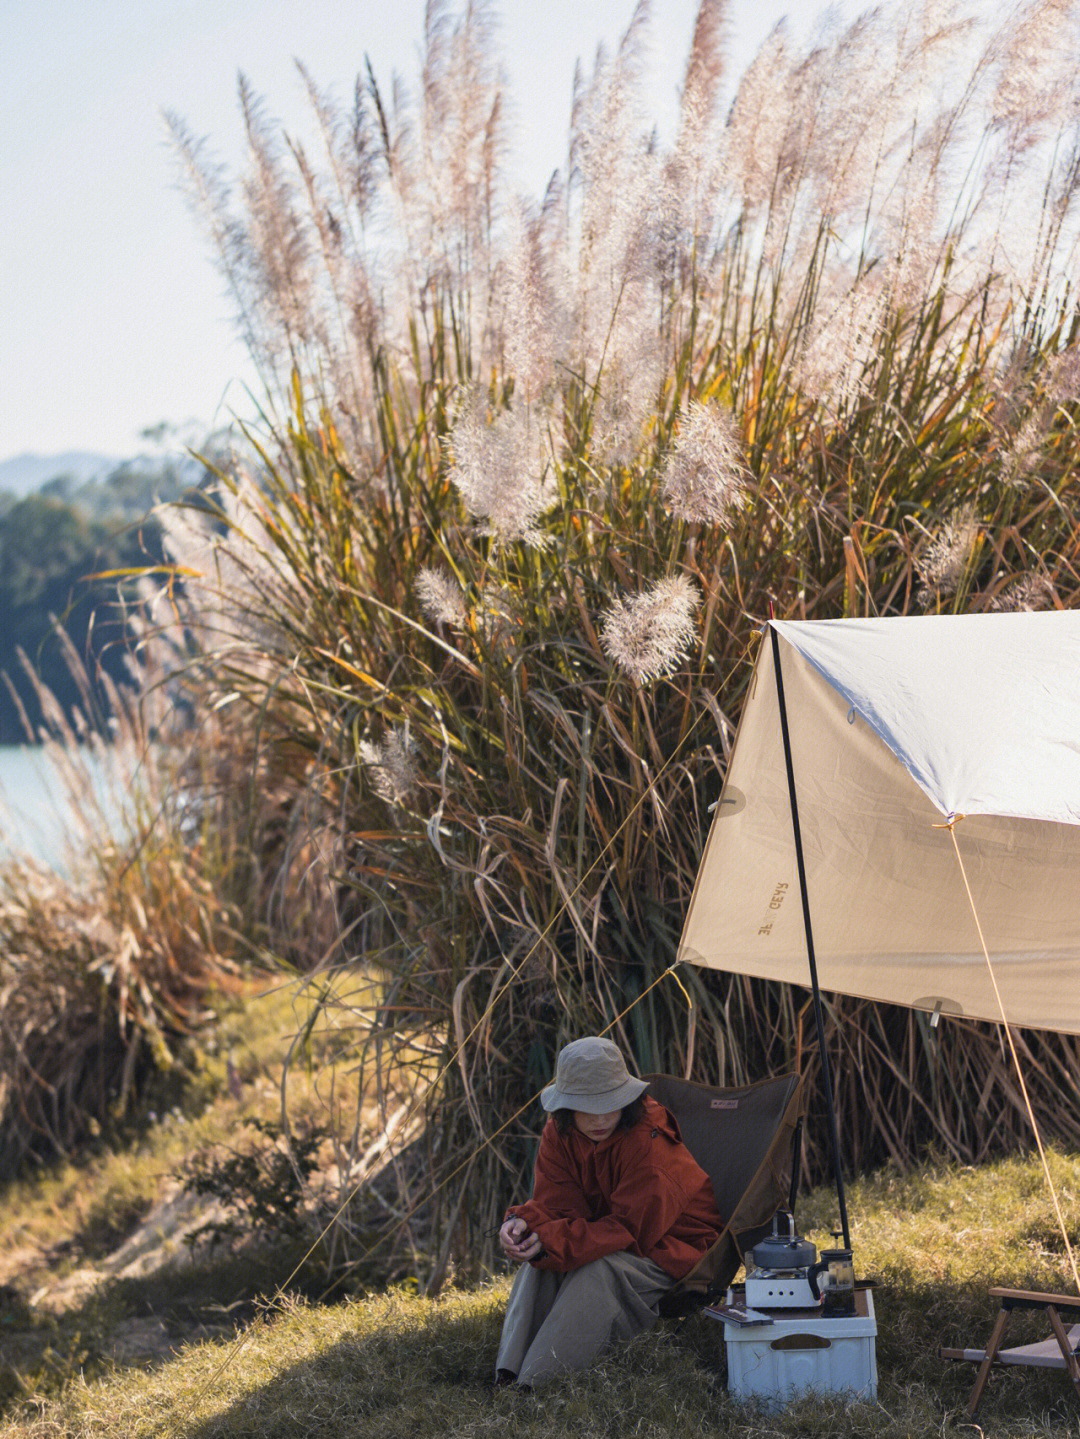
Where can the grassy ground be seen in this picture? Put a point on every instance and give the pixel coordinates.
(395, 1364)
(94, 1268)
(75, 1211)
(191, 1347)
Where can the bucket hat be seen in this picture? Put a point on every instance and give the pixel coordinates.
(591, 1076)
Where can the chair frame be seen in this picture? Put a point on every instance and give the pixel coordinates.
(1038, 1356)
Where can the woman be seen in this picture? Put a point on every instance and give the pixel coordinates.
(620, 1210)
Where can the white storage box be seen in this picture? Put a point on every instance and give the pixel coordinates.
(802, 1351)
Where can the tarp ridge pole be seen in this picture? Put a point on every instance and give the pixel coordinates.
(819, 1014)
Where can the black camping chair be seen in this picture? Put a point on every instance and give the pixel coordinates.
(748, 1141)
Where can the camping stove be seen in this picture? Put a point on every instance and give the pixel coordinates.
(780, 1289)
(781, 1271)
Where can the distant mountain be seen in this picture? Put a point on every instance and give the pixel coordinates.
(23, 474)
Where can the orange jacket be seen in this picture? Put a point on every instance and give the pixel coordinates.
(641, 1190)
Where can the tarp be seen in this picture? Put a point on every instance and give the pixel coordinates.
(895, 725)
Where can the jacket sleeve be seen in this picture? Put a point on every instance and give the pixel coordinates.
(645, 1203)
(557, 1192)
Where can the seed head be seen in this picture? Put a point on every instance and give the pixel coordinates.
(758, 124)
(1024, 452)
(1027, 592)
(1063, 377)
(841, 346)
(705, 474)
(440, 596)
(528, 303)
(1035, 64)
(627, 398)
(390, 765)
(647, 634)
(500, 469)
(942, 563)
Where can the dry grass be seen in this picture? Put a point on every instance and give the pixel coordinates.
(69, 1210)
(105, 963)
(64, 1222)
(97, 1267)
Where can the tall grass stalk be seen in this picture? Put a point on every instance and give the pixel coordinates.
(477, 609)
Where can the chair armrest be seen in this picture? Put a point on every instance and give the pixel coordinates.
(1033, 1299)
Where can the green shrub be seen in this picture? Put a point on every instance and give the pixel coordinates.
(266, 1185)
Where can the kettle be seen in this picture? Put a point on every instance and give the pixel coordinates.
(777, 1252)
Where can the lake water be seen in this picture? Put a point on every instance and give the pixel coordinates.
(39, 815)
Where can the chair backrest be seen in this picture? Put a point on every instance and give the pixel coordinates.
(741, 1137)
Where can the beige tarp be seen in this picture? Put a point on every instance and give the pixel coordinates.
(896, 724)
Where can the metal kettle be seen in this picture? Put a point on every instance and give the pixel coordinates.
(792, 1252)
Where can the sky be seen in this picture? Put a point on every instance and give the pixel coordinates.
(113, 317)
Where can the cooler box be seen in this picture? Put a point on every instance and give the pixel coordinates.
(802, 1351)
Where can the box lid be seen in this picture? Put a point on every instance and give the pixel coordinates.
(786, 1322)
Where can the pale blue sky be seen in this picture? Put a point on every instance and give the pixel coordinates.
(112, 316)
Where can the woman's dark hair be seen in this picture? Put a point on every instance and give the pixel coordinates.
(564, 1118)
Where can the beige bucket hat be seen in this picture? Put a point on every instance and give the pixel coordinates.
(591, 1076)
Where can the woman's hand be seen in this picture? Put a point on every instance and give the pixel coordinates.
(518, 1242)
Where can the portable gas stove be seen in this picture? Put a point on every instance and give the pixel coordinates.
(781, 1272)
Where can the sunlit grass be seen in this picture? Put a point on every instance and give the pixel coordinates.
(247, 1064)
(95, 1262)
(101, 1194)
(396, 1364)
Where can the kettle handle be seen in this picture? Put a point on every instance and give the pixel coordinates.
(812, 1276)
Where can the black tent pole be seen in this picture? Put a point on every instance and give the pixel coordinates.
(826, 1072)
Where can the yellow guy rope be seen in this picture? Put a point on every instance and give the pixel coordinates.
(242, 1339)
(951, 827)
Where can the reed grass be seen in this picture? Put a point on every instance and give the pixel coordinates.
(105, 960)
(476, 610)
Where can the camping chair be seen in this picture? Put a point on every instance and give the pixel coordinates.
(1061, 1351)
(745, 1140)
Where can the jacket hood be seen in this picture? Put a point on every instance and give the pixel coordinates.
(657, 1117)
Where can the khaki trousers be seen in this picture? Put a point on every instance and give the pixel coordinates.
(556, 1322)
